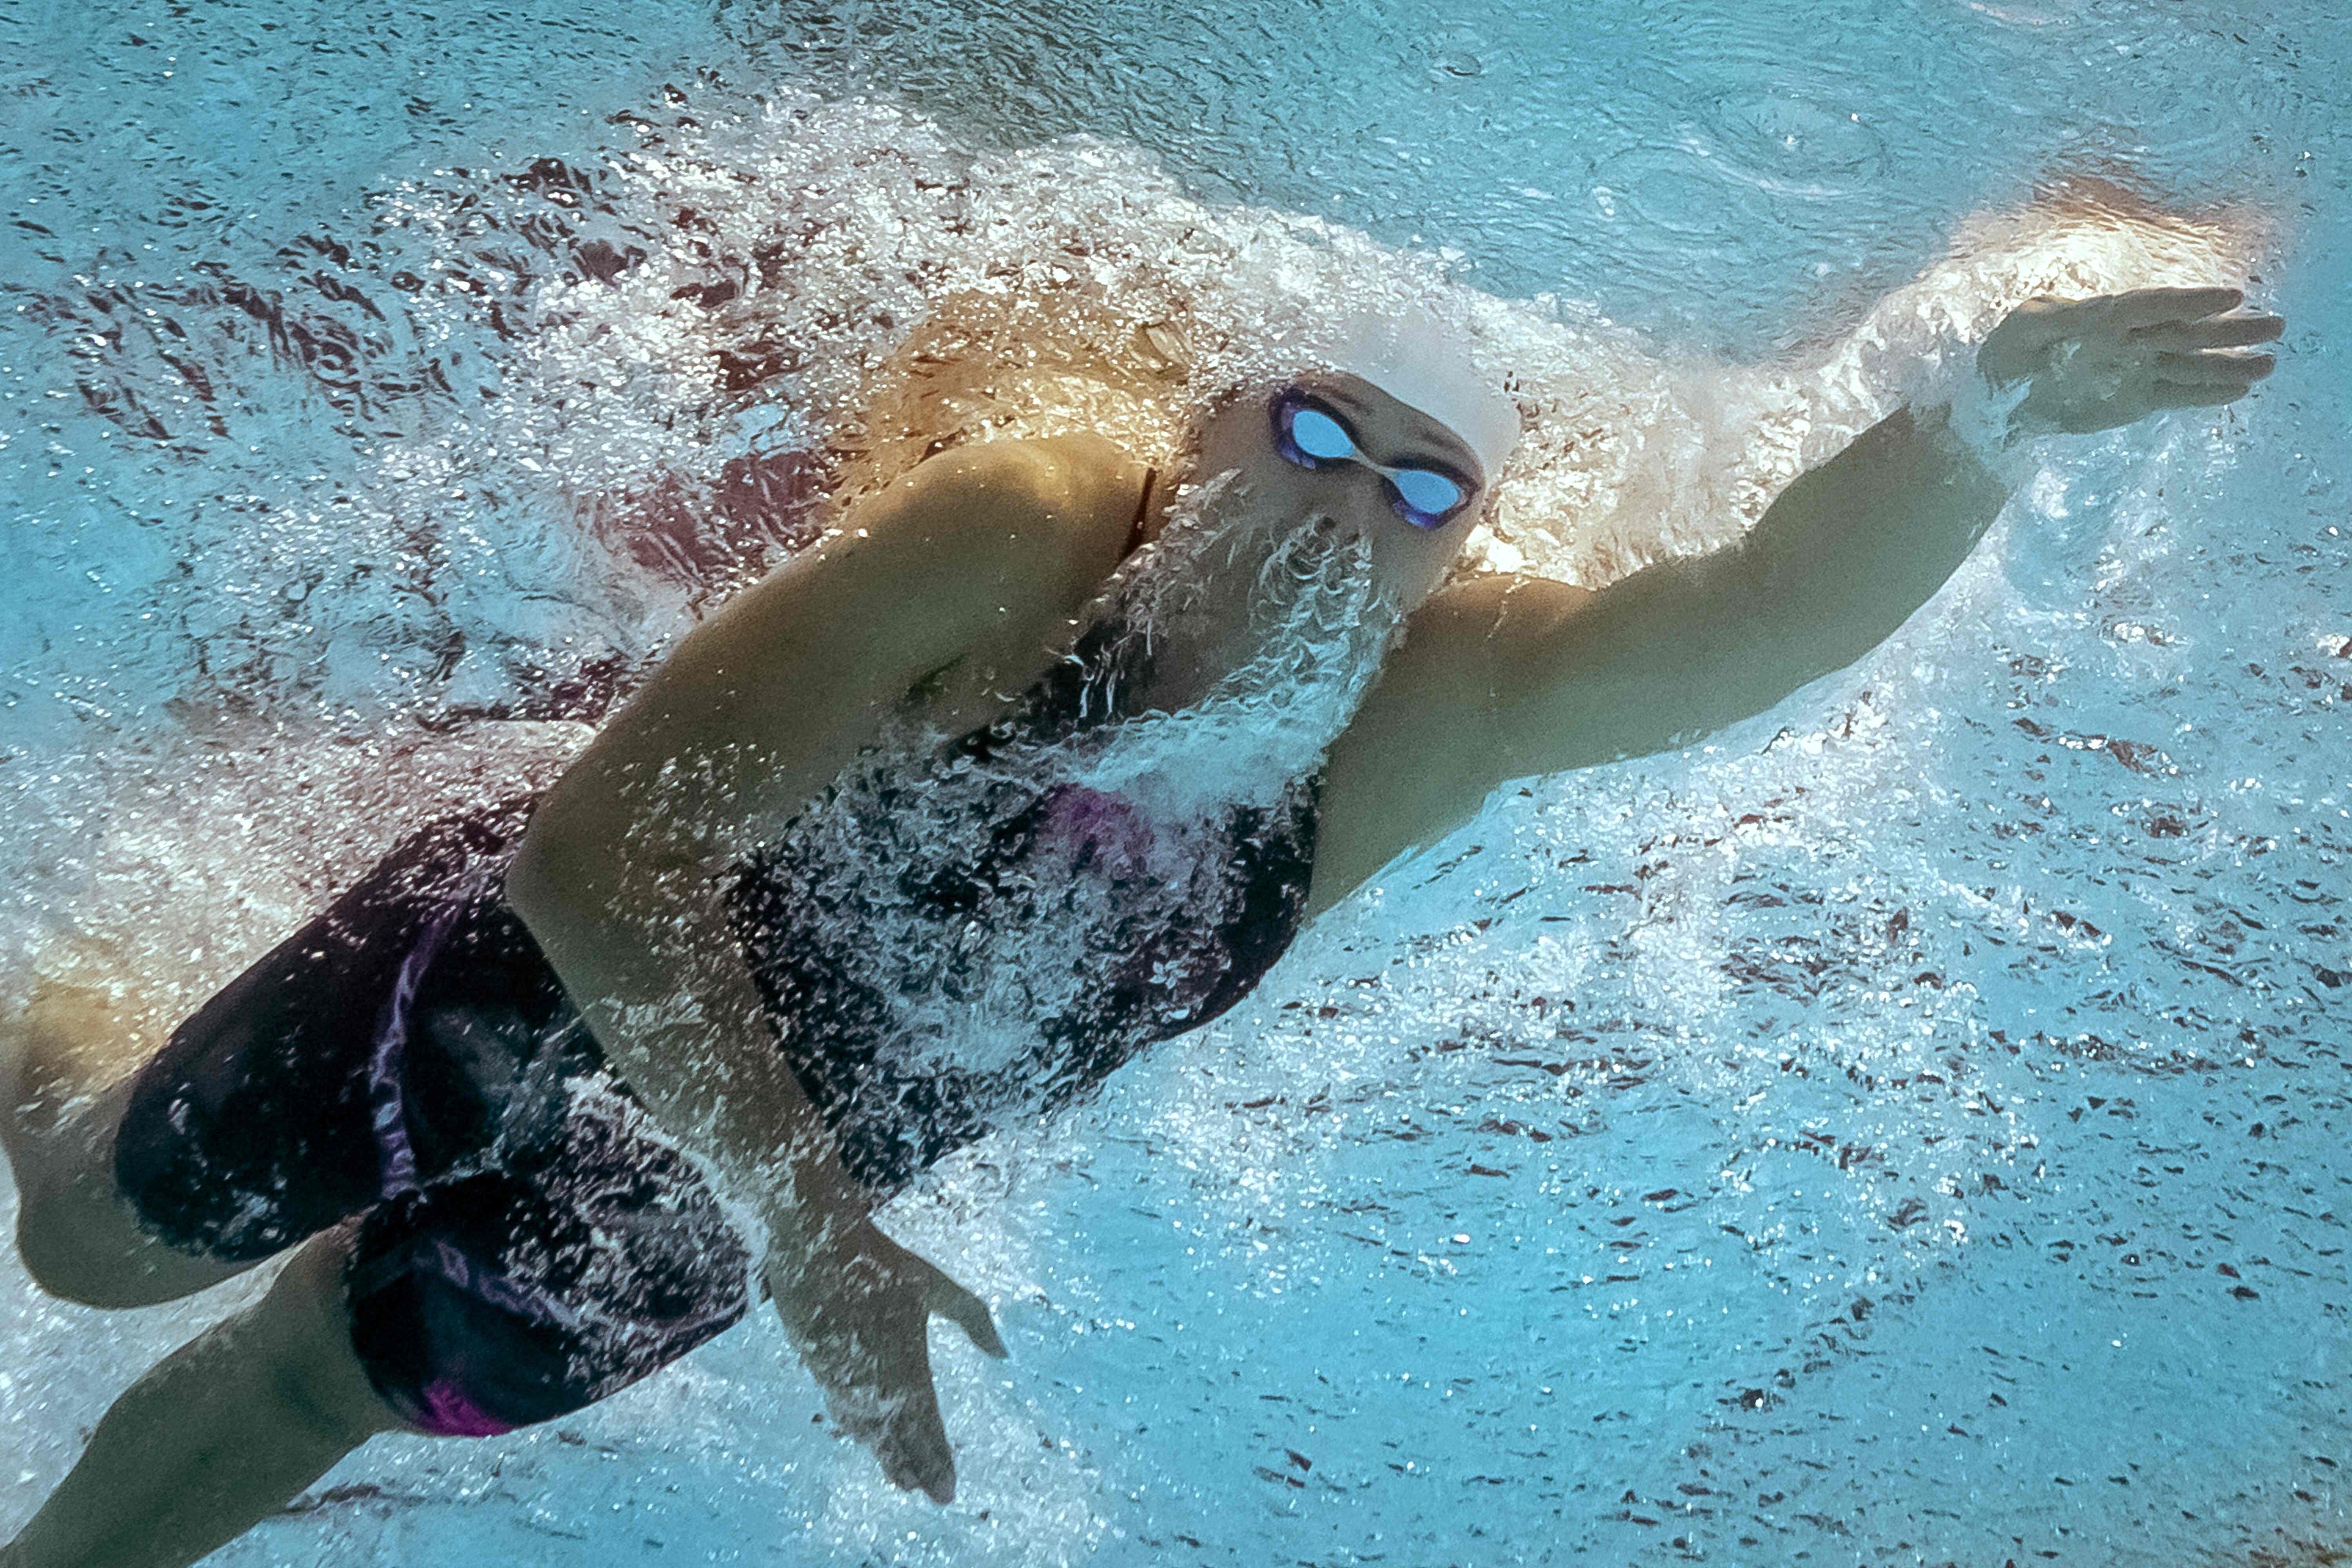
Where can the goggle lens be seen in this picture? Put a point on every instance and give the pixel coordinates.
(1431, 494)
(1319, 435)
(1425, 497)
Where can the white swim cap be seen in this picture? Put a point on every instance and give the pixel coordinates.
(1419, 360)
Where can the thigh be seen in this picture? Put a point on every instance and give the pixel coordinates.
(281, 1106)
(497, 1299)
(150, 1166)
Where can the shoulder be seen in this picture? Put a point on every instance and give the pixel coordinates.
(1079, 482)
(1428, 744)
(1001, 536)
(1021, 522)
(1473, 637)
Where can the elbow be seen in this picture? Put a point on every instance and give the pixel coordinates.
(570, 870)
(580, 880)
(551, 873)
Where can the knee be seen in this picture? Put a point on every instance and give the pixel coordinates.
(74, 1273)
(81, 1241)
(54, 1240)
(46, 1249)
(121, 1268)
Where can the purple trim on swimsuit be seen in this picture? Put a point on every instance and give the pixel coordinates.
(388, 1055)
(443, 1409)
(503, 1291)
(1078, 818)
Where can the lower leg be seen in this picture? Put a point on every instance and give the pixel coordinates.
(221, 1434)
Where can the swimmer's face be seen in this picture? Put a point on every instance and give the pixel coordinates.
(1338, 450)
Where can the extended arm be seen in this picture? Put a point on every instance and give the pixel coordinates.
(1679, 650)
(1509, 676)
(1850, 549)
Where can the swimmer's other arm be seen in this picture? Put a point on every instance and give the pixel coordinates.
(1509, 676)
(974, 561)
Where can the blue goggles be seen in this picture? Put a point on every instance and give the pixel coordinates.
(1313, 436)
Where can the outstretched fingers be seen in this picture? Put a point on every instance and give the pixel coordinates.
(2127, 356)
(2216, 367)
(2156, 307)
(2211, 333)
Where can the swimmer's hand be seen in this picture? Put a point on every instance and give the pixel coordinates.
(2113, 359)
(857, 1306)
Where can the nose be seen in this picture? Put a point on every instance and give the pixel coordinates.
(1364, 487)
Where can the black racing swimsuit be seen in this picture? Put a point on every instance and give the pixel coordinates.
(528, 1242)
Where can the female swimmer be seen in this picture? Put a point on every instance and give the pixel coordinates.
(1037, 760)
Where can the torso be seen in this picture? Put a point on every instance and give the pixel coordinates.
(971, 934)
(797, 704)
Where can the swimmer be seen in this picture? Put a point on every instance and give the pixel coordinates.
(1040, 758)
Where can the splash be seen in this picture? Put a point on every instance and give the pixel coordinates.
(966, 931)
(1318, 627)
(1774, 959)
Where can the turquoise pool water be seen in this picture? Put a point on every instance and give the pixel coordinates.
(1907, 1128)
